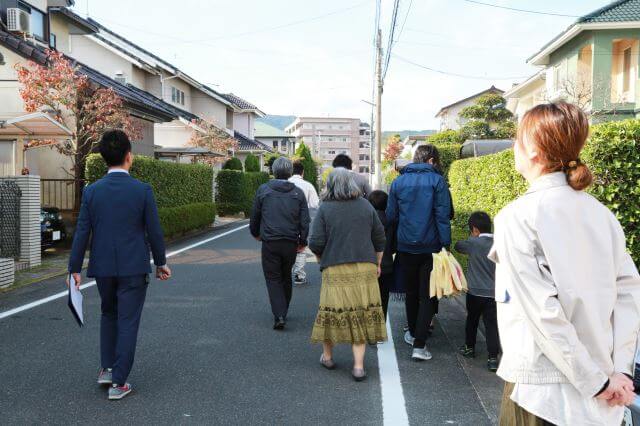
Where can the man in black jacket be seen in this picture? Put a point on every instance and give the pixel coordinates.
(280, 219)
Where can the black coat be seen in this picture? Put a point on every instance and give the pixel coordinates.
(390, 245)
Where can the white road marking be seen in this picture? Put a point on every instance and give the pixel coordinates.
(394, 409)
(39, 302)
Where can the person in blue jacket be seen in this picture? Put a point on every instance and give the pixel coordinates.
(420, 204)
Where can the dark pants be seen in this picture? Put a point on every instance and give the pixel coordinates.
(122, 301)
(385, 281)
(278, 258)
(484, 307)
(420, 307)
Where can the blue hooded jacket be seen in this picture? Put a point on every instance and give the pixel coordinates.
(420, 205)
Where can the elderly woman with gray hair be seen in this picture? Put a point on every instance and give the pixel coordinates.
(348, 239)
(280, 219)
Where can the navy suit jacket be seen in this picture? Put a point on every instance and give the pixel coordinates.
(120, 214)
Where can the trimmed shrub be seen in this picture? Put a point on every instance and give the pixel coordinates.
(251, 163)
(448, 154)
(230, 192)
(253, 182)
(178, 220)
(446, 137)
(484, 183)
(233, 163)
(613, 154)
(173, 184)
(310, 168)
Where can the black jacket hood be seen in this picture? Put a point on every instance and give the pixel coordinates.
(281, 185)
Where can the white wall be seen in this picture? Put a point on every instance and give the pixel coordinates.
(102, 59)
(209, 108)
(244, 123)
(172, 135)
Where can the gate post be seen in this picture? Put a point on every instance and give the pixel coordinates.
(30, 249)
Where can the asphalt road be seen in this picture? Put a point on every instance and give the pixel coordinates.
(207, 355)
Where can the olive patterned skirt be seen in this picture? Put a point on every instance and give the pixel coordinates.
(350, 309)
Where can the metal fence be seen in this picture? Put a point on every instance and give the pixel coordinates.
(9, 219)
(60, 193)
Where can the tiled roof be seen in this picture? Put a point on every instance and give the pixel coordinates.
(248, 144)
(241, 103)
(618, 11)
(264, 130)
(133, 97)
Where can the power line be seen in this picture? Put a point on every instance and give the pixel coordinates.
(515, 9)
(472, 77)
(405, 20)
(394, 19)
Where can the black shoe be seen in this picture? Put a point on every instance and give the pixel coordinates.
(492, 364)
(467, 351)
(279, 324)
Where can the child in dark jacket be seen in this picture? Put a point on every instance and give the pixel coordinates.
(378, 200)
(481, 277)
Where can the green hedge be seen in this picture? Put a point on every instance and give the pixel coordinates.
(236, 190)
(178, 220)
(251, 163)
(173, 184)
(484, 183)
(613, 154)
(448, 154)
(233, 163)
(446, 137)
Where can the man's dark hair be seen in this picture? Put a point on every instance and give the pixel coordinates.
(480, 221)
(343, 160)
(378, 199)
(427, 152)
(298, 168)
(114, 147)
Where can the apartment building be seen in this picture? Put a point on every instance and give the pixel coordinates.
(330, 136)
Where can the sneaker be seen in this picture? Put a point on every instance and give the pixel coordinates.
(405, 328)
(492, 364)
(119, 392)
(408, 338)
(467, 351)
(104, 376)
(299, 281)
(421, 354)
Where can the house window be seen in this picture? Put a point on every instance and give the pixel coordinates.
(364, 157)
(229, 119)
(626, 70)
(365, 145)
(364, 169)
(275, 144)
(37, 24)
(52, 41)
(331, 152)
(177, 95)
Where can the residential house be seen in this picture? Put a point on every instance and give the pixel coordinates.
(450, 115)
(330, 136)
(244, 120)
(49, 24)
(410, 143)
(593, 63)
(281, 142)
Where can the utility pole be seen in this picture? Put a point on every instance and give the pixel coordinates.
(379, 83)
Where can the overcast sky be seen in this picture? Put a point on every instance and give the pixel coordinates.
(315, 57)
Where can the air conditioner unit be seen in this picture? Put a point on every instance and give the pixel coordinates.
(18, 20)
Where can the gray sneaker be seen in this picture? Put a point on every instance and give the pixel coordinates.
(408, 338)
(421, 354)
(104, 376)
(119, 392)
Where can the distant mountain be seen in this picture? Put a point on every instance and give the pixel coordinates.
(278, 121)
(404, 133)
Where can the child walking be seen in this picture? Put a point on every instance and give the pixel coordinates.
(481, 277)
(378, 200)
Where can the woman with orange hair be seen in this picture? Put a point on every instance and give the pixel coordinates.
(568, 292)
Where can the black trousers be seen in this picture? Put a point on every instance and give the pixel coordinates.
(278, 258)
(484, 307)
(420, 307)
(385, 281)
(122, 299)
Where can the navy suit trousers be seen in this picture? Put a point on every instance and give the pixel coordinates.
(122, 301)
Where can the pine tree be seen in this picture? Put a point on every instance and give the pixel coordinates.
(251, 163)
(310, 169)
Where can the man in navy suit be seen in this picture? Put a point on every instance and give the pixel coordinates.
(120, 214)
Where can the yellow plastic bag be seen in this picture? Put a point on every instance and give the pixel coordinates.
(447, 277)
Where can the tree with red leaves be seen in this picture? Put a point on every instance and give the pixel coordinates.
(213, 139)
(80, 105)
(393, 149)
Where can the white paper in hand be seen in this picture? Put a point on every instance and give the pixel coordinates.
(75, 301)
